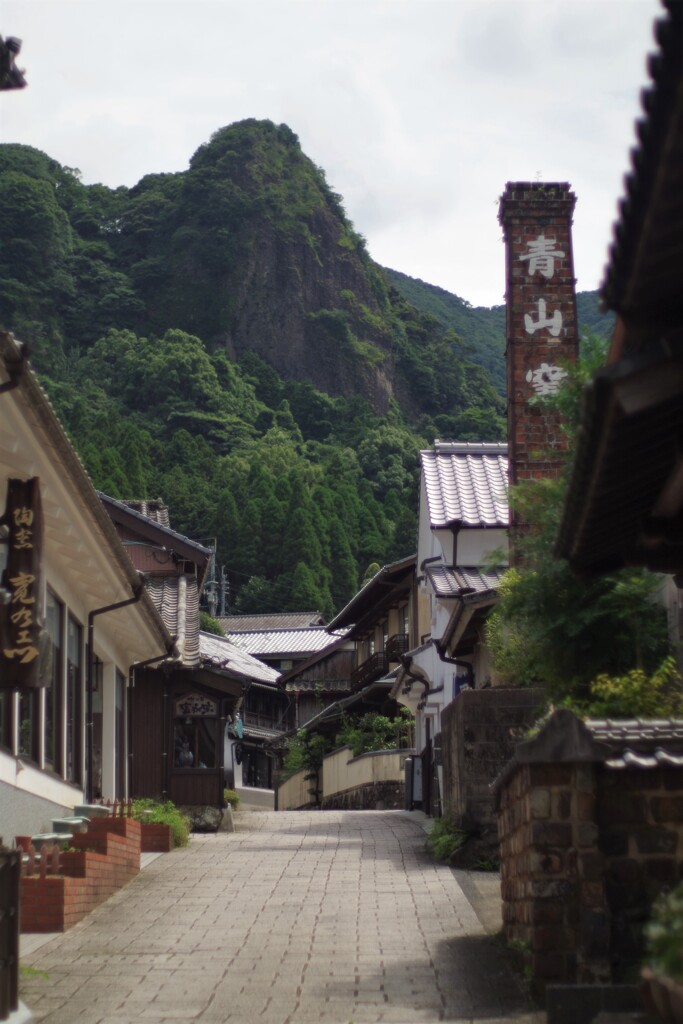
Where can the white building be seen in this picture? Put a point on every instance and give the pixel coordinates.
(462, 551)
(76, 721)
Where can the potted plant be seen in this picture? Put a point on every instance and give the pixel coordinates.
(663, 970)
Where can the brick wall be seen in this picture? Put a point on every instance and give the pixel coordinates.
(585, 850)
(103, 860)
(541, 324)
(639, 815)
(479, 730)
(156, 838)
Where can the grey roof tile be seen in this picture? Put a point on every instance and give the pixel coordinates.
(221, 653)
(659, 759)
(177, 600)
(270, 620)
(457, 581)
(155, 510)
(466, 482)
(157, 516)
(283, 642)
(635, 730)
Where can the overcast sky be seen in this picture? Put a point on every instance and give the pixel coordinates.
(419, 111)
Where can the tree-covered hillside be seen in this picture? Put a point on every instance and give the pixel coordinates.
(221, 338)
(482, 329)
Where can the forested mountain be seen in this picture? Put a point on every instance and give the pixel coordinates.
(483, 329)
(221, 338)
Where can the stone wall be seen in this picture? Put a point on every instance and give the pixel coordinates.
(479, 731)
(639, 815)
(369, 797)
(585, 850)
(552, 872)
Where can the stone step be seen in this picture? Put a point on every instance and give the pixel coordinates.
(48, 838)
(70, 824)
(92, 811)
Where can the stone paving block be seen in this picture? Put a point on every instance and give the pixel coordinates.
(338, 916)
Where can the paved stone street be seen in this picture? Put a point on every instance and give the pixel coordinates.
(321, 916)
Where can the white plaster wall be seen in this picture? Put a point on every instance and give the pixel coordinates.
(424, 533)
(441, 614)
(294, 792)
(474, 546)
(24, 776)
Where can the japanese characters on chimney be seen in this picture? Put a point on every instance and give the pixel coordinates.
(541, 329)
(21, 614)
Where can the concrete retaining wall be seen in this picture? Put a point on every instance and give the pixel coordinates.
(350, 782)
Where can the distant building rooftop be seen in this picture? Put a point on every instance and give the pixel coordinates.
(283, 643)
(270, 620)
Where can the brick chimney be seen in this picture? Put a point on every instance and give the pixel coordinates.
(541, 328)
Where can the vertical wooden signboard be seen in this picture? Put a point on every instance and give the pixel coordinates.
(21, 615)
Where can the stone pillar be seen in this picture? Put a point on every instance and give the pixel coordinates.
(541, 329)
(555, 909)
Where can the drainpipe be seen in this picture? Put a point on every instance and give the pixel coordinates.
(406, 661)
(138, 590)
(171, 652)
(459, 663)
(165, 728)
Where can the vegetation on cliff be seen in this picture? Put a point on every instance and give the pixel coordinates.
(221, 338)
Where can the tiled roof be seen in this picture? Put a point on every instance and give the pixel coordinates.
(616, 743)
(643, 273)
(282, 642)
(636, 731)
(659, 759)
(132, 510)
(623, 504)
(218, 652)
(641, 743)
(271, 620)
(177, 601)
(261, 732)
(466, 483)
(450, 581)
(313, 685)
(155, 510)
(391, 582)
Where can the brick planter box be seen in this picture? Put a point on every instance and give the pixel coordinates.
(105, 858)
(156, 838)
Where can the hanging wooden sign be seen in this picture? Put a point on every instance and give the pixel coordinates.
(21, 614)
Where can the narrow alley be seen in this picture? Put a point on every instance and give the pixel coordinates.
(297, 916)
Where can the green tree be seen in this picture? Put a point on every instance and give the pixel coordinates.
(551, 628)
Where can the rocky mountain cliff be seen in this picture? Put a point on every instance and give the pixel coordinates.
(249, 249)
(221, 338)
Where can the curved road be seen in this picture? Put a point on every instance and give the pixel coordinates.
(300, 916)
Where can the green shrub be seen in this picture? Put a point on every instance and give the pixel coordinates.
(635, 694)
(375, 732)
(231, 798)
(156, 812)
(664, 936)
(445, 839)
